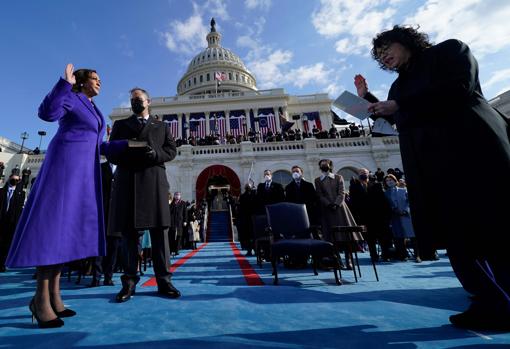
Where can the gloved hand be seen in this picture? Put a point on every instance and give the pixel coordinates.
(150, 154)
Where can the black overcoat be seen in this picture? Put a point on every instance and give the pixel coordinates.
(307, 195)
(445, 126)
(140, 188)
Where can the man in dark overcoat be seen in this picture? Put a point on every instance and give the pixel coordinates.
(300, 191)
(268, 192)
(12, 199)
(105, 265)
(177, 223)
(140, 193)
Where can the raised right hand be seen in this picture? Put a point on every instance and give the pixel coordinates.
(361, 85)
(68, 74)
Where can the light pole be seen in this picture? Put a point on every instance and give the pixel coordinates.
(24, 136)
(42, 134)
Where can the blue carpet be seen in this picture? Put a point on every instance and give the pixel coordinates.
(408, 308)
(218, 226)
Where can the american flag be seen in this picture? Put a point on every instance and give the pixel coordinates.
(266, 123)
(217, 125)
(173, 123)
(197, 127)
(313, 119)
(236, 125)
(220, 76)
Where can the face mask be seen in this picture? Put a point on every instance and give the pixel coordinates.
(363, 177)
(267, 178)
(296, 175)
(391, 184)
(13, 182)
(137, 105)
(324, 168)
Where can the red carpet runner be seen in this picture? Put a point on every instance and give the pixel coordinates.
(250, 275)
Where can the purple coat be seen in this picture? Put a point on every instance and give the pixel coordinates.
(63, 218)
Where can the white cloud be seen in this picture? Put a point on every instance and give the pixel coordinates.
(187, 37)
(355, 22)
(497, 77)
(268, 71)
(217, 8)
(479, 23)
(124, 46)
(305, 75)
(253, 4)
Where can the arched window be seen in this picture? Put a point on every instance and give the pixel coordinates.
(282, 176)
(347, 173)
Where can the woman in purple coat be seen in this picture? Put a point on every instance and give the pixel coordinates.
(63, 218)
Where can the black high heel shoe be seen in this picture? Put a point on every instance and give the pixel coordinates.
(64, 313)
(44, 324)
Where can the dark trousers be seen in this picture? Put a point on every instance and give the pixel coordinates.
(105, 265)
(6, 235)
(160, 254)
(487, 278)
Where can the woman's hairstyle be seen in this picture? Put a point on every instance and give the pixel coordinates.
(407, 36)
(390, 176)
(81, 75)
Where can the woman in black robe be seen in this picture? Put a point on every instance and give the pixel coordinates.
(444, 122)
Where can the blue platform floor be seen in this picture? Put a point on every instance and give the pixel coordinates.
(408, 308)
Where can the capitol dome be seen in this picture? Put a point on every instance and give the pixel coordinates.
(216, 69)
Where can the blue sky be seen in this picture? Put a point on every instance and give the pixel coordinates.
(303, 46)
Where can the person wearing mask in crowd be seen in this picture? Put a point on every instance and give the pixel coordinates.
(177, 223)
(15, 170)
(300, 191)
(268, 192)
(140, 193)
(12, 199)
(401, 224)
(246, 210)
(442, 80)
(73, 201)
(25, 177)
(330, 191)
(371, 208)
(379, 174)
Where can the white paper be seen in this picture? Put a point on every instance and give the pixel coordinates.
(382, 126)
(353, 105)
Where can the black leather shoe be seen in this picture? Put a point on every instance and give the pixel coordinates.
(128, 288)
(168, 290)
(94, 283)
(108, 282)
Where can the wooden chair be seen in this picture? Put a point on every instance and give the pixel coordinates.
(349, 237)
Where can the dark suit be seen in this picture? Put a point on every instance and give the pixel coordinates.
(274, 194)
(304, 194)
(370, 207)
(9, 217)
(105, 265)
(177, 218)
(140, 193)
